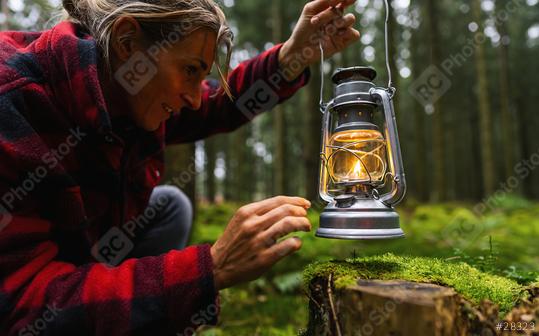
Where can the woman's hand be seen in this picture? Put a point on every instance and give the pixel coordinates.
(321, 20)
(249, 246)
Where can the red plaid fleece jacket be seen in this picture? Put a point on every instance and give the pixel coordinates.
(68, 174)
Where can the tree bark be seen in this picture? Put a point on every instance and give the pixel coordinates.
(508, 121)
(180, 163)
(5, 11)
(397, 307)
(279, 156)
(419, 174)
(438, 147)
(485, 114)
(375, 307)
(230, 192)
(312, 134)
(211, 157)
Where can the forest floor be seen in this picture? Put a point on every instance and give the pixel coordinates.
(499, 238)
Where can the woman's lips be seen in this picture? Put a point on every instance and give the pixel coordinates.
(169, 110)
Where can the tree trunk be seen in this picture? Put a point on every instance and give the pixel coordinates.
(211, 157)
(404, 308)
(312, 134)
(248, 176)
(438, 131)
(241, 176)
(5, 11)
(395, 307)
(279, 156)
(419, 175)
(508, 121)
(181, 169)
(485, 116)
(375, 307)
(230, 192)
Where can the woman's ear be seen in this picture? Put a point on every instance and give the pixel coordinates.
(126, 38)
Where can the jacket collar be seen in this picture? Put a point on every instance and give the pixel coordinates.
(73, 74)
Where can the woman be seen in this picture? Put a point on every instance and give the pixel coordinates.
(86, 109)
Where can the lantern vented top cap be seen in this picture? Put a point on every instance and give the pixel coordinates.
(357, 73)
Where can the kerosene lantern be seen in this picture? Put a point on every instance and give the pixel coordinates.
(361, 171)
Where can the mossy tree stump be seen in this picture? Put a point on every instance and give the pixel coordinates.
(391, 295)
(386, 307)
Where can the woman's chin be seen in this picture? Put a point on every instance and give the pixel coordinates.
(151, 122)
(154, 127)
(150, 125)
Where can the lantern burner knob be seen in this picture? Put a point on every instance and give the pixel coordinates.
(345, 201)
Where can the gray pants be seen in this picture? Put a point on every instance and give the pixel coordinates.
(170, 227)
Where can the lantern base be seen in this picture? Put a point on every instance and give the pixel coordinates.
(365, 219)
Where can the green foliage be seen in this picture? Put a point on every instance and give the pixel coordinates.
(276, 304)
(210, 222)
(468, 281)
(288, 283)
(508, 203)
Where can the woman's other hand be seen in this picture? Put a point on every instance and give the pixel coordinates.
(249, 245)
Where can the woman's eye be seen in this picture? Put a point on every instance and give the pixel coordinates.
(191, 70)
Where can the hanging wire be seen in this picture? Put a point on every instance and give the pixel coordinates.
(390, 86)
(322, 104)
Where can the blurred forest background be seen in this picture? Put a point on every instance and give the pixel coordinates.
(470, 157)
(464, 146)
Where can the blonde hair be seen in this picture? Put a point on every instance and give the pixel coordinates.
(157, 18)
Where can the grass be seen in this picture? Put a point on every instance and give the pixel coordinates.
(501, 241)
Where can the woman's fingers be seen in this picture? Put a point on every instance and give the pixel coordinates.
(326, 16)
(275, 215)
(329, 14)
(315, 7)
(283, 227)
(340, 41)
(280, 250)
(348, 36)
(261, 207)
(335, 25)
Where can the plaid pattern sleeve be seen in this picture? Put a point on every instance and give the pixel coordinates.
(168, 294)
(257, 85)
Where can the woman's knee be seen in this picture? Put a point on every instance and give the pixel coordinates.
(175, 204)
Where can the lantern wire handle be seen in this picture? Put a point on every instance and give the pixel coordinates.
(391, 89)
(322, 104)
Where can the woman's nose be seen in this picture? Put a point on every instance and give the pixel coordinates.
(194, 98)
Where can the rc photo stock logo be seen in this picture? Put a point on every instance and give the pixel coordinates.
(260, 97)
(113, 247)
(134, 74)
(429, 87)
(462, 233)
(117, 242)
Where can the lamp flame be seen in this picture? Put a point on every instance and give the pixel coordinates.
(357, 169)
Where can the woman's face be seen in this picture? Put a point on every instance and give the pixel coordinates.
(168, 79)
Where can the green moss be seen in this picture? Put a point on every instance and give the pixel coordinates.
(469, 282)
